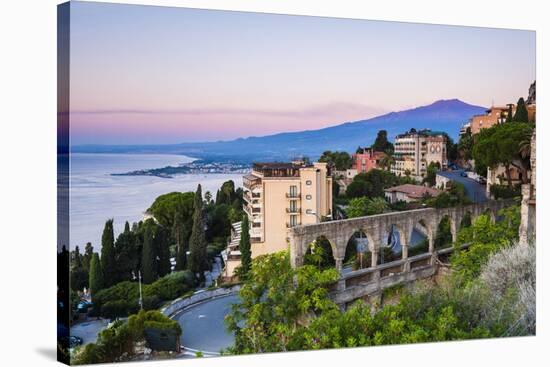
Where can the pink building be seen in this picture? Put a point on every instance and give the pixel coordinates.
(366, 160)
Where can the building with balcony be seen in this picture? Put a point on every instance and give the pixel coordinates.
(279, 196)
(415, 150)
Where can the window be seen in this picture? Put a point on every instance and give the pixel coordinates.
(293, 206)
(293, 191)
(309, 211)
(308, 182)
(308, 197)
(293, 220)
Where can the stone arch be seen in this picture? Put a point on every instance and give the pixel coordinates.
(466, 219)
(445, 233)
(355, 259)
(420, 237)
(328, 254)
(393, 236)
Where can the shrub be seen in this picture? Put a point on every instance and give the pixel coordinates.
(112, 345)
(122, 299)
(170, 286)
(118, 308)
(150, 319)
(505, 192)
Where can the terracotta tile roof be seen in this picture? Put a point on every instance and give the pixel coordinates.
(414, 191)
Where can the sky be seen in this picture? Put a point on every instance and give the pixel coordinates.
(160, 75)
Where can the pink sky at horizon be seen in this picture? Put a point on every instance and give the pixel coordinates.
(151, 75)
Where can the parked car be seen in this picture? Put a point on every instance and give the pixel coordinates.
(463, 174)
(72, 341)
(83, 306)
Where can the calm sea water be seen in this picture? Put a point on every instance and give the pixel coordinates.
(96, 196)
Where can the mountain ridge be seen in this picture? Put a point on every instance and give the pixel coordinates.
(445, 115)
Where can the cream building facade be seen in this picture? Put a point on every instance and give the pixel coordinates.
(415, 150)
(279, 196)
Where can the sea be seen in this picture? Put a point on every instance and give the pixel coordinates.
(96, 195)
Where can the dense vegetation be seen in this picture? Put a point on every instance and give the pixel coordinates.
(339, 160)
(122, 299)
(373, 183)
(286, 309)
(507, 144)
(118, 342)
(183, 223)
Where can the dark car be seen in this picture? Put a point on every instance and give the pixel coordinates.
(463, 174)
(71, 341)
(83, 306)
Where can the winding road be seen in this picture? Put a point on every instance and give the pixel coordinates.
(203, 325)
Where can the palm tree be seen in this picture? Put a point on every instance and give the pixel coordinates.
(387, 161)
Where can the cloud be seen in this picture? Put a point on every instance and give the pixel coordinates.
(336, 110)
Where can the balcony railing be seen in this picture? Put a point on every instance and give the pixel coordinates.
(293, 210)
(255, 239)
(292, 195)
(290, 225)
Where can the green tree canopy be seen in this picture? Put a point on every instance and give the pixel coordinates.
(362, 206)
(501, 144)
(96, 275)
(244, 247)
(521, 112)
(371, 183)
(164, 207)
(340, 160)
(108, 255)
(149, 256)
(198, 258)
(381, 143)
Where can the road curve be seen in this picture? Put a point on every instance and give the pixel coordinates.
(203, 325)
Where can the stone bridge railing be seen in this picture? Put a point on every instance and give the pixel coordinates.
(377, 277)
(372, 281)
(376, 228)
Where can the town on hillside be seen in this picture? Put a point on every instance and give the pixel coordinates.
(353, 232)
(421, 168)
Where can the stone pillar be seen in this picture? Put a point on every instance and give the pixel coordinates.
(453, 228)
(296, 257)
(431, 241)
(527, 213)
(374, 257)
(405, 252)
(339, 264)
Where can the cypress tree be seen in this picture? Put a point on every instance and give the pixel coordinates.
(163, 250)
(127, 256)
(179, 234)
(126, 227)
(149, 257)
(96, 275)
(77, 258)
(108, 255)
(197, 243)
(509, 115)
(521, 112)
(87, 258)
(244, 246)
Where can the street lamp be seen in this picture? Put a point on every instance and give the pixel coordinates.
(140, 294)
(318, 216)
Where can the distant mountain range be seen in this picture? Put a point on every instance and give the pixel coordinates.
(443, 115)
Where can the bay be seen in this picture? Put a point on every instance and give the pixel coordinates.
(96, 196)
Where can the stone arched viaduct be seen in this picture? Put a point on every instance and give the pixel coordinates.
(377, 227)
